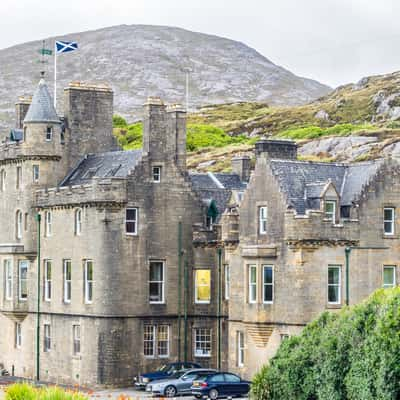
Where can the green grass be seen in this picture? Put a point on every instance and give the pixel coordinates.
(24, 391)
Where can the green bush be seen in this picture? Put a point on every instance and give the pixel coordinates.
(24, 391)
(119, 121)
(350, 355)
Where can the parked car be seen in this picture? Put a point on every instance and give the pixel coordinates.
(220, 384)
(178, 383)
(164, 371)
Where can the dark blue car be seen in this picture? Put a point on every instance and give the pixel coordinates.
(164, 371)
(220, 384)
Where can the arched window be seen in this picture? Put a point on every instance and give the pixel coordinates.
(78, 221)
(18, 223)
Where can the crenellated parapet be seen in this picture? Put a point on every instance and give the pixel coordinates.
(100, 192)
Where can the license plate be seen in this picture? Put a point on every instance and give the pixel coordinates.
(148, 388)
(197, 384)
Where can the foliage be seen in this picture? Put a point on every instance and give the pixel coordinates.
(119, 121)
(351, 355)
(24, 391)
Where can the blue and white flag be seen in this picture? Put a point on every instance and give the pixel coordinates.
(65, 47)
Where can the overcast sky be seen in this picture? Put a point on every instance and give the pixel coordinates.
(333, 41)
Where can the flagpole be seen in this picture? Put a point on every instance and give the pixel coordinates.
(55, 76)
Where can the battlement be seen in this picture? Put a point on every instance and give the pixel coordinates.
(10, 150)
(100, 191)
(99, 87)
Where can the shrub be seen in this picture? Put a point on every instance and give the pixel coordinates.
(119, 121)
(352, 355)
(24, 391)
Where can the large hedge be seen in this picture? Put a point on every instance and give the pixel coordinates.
(350, 355)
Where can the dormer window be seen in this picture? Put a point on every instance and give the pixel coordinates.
(157, 174)
(330, 210)
(209, 222)
(49, 133)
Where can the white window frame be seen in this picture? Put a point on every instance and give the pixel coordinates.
(339, 284)
(264, 267)
(131, 221)
(156, 173)
(78, 221)
(46, 338)
(262, 220)
(199, 345)
(76, 339)
(47, 279)
(35, 173)
(162, 281)
(88, 283)
(251, 284)
(149, 331)
(49, 133)
(19, 223)
(8, 279)
(196, 287)
(18, 335)
(393, 284)
(331, 215)
(48, 223)
(20, 264)
(159, 329)
(391, 221)
(227, 274)
(18, 182)
(240, 349)
(67, 283)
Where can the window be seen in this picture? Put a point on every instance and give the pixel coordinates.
(252, 283)
(330, 210)
(88, 281)
(284, 336)
(231, 378)
(26, 217)
(3, 180)
(35, 173)
(202, 342)
(388, 220)
(209, 222)
(18, 221)
(78, 221)
(46, 338)
(240, 349)
(227, 281)
(202, 286)
(19, 178)
(148, 340)
(49, 133)
(156, 282)
(67, 281)
(48, 223)
(47, 280)
(76, 337)
(334, 284)
(268, 283)
(18, 335)
(131, 221)
(23, 280)
(8, 277)
(156, 174)
(389, 276)
(262, 211)
(163, 341)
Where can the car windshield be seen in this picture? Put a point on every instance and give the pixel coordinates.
(164, 368)
(177, 374)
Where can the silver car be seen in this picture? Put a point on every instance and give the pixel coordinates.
(179, 383)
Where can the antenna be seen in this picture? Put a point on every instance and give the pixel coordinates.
(43, 52)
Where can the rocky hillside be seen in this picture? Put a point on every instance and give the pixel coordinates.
(140, 61)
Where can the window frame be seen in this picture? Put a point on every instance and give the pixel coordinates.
(18, 180)
(153, 333)
(262, 220)
(76, 339)
(162, 281)
(393, 284)
(198, 333)
(391, 221)
(19, 224)
(135, 221)
(88, 283)
(8, 279)
(78, 221)
(251, 284)
(330, 215)
(48, 218)
(338, 285)
(18, 335)
(20, 263)
(67, 283)
(49, 133)
(196, 286)
(46, 338)
(240, 349)
(3, 176)
(35, 173)
(227, 276)
(156, 174)
(272, 284)
(47, 291)
(158, 341)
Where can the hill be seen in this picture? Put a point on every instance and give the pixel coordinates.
(140, 61)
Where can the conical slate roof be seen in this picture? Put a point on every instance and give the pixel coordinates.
(42, 108)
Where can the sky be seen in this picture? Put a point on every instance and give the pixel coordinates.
(332, 41)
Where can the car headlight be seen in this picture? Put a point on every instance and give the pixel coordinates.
(146, 380)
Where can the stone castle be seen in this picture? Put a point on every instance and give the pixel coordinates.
(113, 262)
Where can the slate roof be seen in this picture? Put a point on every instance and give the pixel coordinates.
(103, 165)
(42, 108)
(296, 179)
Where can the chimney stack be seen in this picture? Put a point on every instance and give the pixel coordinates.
(21, 108)
(276, 149)
(241, 166)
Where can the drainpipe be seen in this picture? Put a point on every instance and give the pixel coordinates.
(185, 306)
(219, 307)
(179, 286)
(38, 219)
(347, 252)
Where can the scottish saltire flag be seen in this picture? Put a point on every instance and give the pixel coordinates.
(65, 47)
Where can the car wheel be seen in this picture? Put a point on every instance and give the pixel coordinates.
(213, 394)
(170, 391)
(198, 396)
